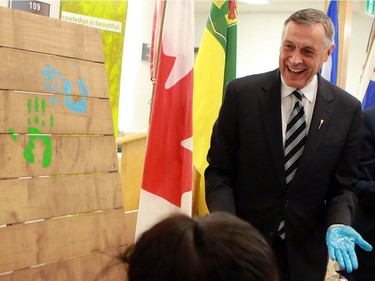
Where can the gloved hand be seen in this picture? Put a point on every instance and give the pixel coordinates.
(341, 240)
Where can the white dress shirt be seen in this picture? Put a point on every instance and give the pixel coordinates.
(288, 100)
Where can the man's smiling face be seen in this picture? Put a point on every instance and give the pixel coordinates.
(302, 53)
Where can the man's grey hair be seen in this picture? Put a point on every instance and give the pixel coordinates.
(312, 16)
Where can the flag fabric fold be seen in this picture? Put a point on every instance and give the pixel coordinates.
(215, 65)
(167, 175)
(330, 68)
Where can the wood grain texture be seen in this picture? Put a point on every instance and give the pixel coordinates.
(26, 245)
(69, 155)
(101, 266)
(26, 31)
(47, 197)
(23, 71)
(58, 118)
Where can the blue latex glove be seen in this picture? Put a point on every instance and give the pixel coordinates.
(341, 240)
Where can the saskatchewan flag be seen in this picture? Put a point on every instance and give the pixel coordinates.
(215, 65)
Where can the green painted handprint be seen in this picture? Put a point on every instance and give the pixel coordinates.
(36, 133)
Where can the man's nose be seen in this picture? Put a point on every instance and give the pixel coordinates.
(296, 57)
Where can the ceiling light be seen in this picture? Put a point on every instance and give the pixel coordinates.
(254, 2)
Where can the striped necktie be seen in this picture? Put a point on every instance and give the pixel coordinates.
(294, 143)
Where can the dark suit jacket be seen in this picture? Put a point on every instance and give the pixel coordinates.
(364, 221)
(246, 175)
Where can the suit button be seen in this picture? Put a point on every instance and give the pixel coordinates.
(286, 203)
(270, 234)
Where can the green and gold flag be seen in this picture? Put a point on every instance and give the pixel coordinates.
(215, 65)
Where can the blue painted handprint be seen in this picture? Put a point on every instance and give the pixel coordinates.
(59, 85)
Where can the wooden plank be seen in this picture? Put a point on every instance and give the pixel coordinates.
(26, 245)
(16, 109)
(31, 32)
(98, 266)
(41, 198)
(43, 155)
(37, 72)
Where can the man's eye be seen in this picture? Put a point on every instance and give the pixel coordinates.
(288, 47)
(308, 52)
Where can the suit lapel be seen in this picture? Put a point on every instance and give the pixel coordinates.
(322, 115)
(270, 107)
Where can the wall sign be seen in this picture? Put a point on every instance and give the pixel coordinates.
(35, 7)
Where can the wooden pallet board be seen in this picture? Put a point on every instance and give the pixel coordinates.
(44, 73)
(26, 245)
(16, 109)
(62, 211)
(97, 266)
(24, 31)
(29, 156)
(47, 197)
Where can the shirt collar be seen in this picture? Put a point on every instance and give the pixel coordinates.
(309, 91)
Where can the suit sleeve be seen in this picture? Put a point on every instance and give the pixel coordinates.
(366, 184)
(342, 200)
(222, 157)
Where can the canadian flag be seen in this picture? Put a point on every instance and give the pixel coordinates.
(167, 176)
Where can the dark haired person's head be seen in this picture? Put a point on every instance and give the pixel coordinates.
(217, 247)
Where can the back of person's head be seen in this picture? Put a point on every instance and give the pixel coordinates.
(217, 247)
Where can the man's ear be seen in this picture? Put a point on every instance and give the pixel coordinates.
(329, 52)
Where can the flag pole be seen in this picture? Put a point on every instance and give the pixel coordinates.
(370, 41)
(157, 34)
(345, 21)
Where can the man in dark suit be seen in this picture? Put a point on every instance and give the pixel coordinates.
(246, 174)
(364, 220)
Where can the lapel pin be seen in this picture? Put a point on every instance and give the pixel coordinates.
(321, 123)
